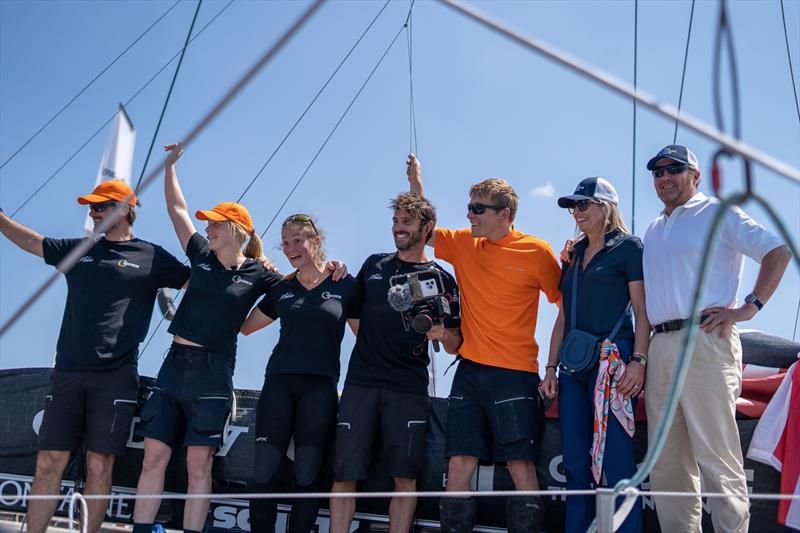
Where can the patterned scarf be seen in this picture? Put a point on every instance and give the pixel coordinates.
(606, 397)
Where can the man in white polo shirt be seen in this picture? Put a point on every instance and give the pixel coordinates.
(703, 439)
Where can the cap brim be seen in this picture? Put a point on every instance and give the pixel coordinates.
(209, 215)
(92, 199)
(651, 165)
(569, 201)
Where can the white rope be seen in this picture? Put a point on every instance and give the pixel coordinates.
(77, 496)
(630, 493)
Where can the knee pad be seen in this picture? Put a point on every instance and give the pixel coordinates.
(267, 459)
(307, 462)
(524, 514)
(457, 515)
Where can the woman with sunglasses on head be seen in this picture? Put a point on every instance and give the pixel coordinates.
(191, 401)
(299, 397)
(597, 393)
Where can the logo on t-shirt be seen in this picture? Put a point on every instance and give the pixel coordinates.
(375, 276)
(87, 259)
(239, 279)
(327, 296)
(286, 296)
(205, 266)
(122, 263)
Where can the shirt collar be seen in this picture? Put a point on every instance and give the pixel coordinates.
(611, 238)
(691, 203)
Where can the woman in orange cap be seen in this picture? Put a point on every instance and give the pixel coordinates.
(299, 398)
(191, 402)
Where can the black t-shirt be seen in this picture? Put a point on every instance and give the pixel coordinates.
(217, 300)
(603, 286)
(312, 324)
(385, 354)
(110, 297)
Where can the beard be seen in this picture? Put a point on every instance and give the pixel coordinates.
(412, 240)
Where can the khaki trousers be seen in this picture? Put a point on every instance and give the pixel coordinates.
(703, 439)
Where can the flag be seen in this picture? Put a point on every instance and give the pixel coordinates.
(776, 442)
(117, 158)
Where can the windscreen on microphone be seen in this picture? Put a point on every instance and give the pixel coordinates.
(399, 297)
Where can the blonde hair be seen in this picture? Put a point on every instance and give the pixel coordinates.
(249, 243)
(500, 192)
(612, 220)
(310, 230)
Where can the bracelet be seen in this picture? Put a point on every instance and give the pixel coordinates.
(640, 354)
(554, 367)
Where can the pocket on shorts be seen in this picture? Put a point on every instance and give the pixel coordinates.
(453, 429)
(123, 415)
(211, 414)
(48, 401)
(513, 418)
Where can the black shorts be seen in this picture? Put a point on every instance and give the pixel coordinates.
(494, 413)
(397, 420)
(97, 406)
(190, 403)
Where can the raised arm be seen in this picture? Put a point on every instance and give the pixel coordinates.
(414, 173)
(22, 236)
(176, 204)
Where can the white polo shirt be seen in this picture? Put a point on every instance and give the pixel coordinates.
(673, 249)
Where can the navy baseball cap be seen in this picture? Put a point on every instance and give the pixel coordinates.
(676, 152)
(591, 188)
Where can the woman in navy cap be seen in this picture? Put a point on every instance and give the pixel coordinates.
(597, 384)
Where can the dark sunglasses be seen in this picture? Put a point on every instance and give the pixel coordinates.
(480, 209)
(581, 205)
(304, 219)
(99, 208)
(673, 170)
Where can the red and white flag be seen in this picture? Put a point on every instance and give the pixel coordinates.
(776, 442)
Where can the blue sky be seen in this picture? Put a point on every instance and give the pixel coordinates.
(484, 107)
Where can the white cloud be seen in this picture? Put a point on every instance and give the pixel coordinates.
(543, 191)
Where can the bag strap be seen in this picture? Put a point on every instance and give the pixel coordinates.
(573, 310)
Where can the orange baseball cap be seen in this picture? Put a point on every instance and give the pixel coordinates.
(110, 190)
(230, 211)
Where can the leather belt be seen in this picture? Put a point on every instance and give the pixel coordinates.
(675, 325)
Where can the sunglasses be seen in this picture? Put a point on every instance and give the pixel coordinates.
(480, 209)
(673, 170)
(581, 205)
(99, 208)
(303, 219)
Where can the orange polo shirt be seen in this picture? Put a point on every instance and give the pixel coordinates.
(499, 283)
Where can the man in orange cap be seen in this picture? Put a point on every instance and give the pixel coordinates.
(94, 385)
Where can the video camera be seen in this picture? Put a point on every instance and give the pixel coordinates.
(419, 297)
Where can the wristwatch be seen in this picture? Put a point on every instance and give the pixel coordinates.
(753, 299)
(636, 358)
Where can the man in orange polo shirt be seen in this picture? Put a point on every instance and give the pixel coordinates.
(494, 412)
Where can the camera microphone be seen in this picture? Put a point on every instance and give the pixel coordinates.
(399, 297)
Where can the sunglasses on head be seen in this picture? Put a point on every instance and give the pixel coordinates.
(673, 170)
(99, 208)
(581, 205)
(303, 219)
(480, 209)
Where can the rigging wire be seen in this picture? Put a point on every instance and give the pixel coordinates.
(288, 133)
(335, 127)
(66, 264)
(724, 34)
(313, 100)
(789, 57)
(413, 147)
(797, 106)
(683, 75)
(65, 106)
(169, 93)
(106, 123)
(633, 142)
